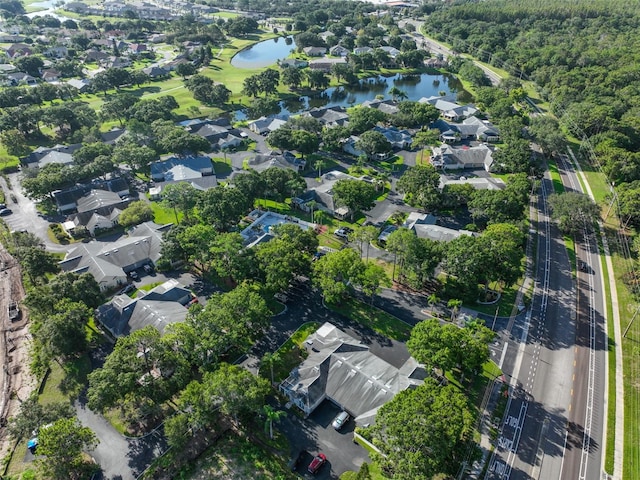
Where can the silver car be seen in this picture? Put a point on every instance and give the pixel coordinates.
(341, 419)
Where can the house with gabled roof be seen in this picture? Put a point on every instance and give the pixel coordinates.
(329, 116)
(20, 78)
(163, 305)
(315, 51)
(399, 139)
(452, 158)
(324, 64)
(339, 51)
(266, 125)
(80, 84)
(449, 109)
(342, 369)
(280, 160)
(197, 171)
(109, 262)
(156, 72)
(67, 200)
(18, 50)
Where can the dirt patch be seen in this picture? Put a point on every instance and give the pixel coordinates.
(17, 382)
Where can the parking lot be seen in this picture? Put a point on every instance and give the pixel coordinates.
(315, 434)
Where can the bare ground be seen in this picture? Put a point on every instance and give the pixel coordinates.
(16, 381)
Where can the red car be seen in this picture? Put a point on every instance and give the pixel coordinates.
(317, 462)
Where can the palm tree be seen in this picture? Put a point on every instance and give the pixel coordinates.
(396, 93)
(432, 300)
(312, 204)
(270, 359)
(271, 415)
(320, 216)
(319, 164)
(454, 305)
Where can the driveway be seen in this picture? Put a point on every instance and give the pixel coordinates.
(315, 434)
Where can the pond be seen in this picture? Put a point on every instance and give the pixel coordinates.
(414, 87)
(264, 54)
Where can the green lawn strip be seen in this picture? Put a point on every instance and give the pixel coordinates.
(272, 205)
(290, 354)
(374, 318)
(558, 187)
(62, 382)
(163, 215)
(221, 167)
(236, 458)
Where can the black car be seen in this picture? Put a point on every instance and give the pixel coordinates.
(6, 211)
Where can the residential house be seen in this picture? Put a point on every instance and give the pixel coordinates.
(329, 116)
(438, 233)
(50, 75)
(17, 50)
(42, 156)
(20, 78)
(76, 7)
(197, 171)
(325, 64)
(479, 183)
(339, 51)
(11, 38)
(266, 125)
(67, 200)
(293, 62)
(343, 370)
(7, 68)
(390, 107)
(116, 62)
(218, 136)
(165, 304)
(112, 136)
(323, 195)
(399, 139)
(451, 158)
(261, 229)
(416, 218)
(93, 55)
(109, 262)
(58, 51)
(362, 50)
(449, 109)
(482, 130)
(435, 62)
(349, 146)
(391, 51)
(285, 160)
(315, 51)
(102, 202)
(137, 48)
(82, 85)
(156, 72)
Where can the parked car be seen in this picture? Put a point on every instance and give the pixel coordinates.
(134, 275)
(6, 211)
(128, 289)
(341, 419)
(583, 266)
(148, 269)
(343, 232)
(317, 462)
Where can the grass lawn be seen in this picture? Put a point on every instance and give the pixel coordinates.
(163, 215)
(558, 187)
(374, 318)
(374, 470)
(65, 382)
(236, 458)
(505, 304)
(221, 167)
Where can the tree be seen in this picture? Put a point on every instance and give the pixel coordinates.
(37, 262)
(304, 142)
(372, 143)
(135, 214)
(574, 212)
(281, 259)
(424, 138)
(292, 77)
(181, 197)
(364, 235)
(63, 334)
(270, 359)
(222, 207)
(90, 151)
(421, 184)
(138, 157)
(432, 300)
(336, 272)
(271, 415)
(117, 107)
(263, 107)
(62, 445)
(356, 195)
(332, 138)
(15, 142)
(30, 64)
(629, 203)
(422, 431)
(362, 119)
(548, 134)
(185, 70)
(372, 278)
(454, 305)
(33, 415)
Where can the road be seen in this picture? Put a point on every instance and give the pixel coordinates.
(552, 426)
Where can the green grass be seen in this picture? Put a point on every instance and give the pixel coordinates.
(273, 206)
(505, 304)
(374, 470)
(374, 318)
(64, 382)
(558, 187)
(163, 215)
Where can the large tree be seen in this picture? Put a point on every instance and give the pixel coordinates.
(356, 195)
(373, 143)
(574, 212)
(421, 184)
(337, 272)
(422, 431)
(181, 197)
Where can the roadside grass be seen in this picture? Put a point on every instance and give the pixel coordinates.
(423, 157)
(236, 458)
(163, 215)
(558, 187)
(378, 320)
(475, 387)
(290, 354)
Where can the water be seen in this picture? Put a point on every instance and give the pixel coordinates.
(264, 54)
(414, 86)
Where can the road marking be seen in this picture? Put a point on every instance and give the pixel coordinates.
(572, 392)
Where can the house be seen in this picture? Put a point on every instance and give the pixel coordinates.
(80, 84)
(285, 160)
(349, 146)
(156, 72)
(451, 158)
(100, 202)
(399, 139)
(438, 233)
(390, 107)
(50, 75)
(479, 183)
(7, 68)
(95, 223)
(67, 200)
(94, 55)
(58, 51)
(11, 38)
(362, 50)
(329, 116)
(18, 50)
(416, 218)
(165, 304)
(449, 109)
(435, 62)
(343, 370)
(315, 51)
(325, 64)
(323, 195)
(77, 7)
(482, 130)
(266, 125)
(42, 156)
(112, 136)
(197, 171)
(391, 51)
(293, 62)
(109, 262)
(339, 51)
(116, 62)
(218, 136)
(20, 78)
(137, 48)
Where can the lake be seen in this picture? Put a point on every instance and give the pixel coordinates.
(264, 54)
(414, 86)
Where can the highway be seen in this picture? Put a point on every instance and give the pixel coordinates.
(555, 360)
